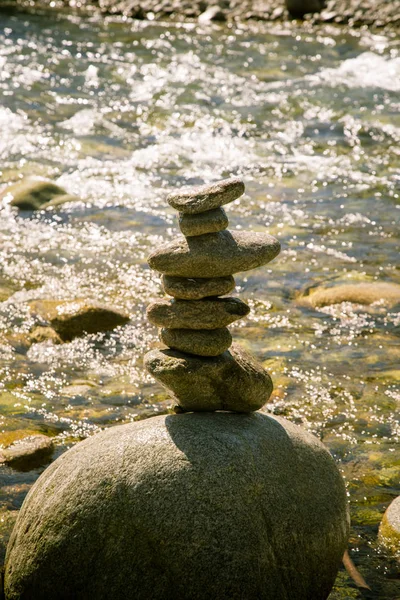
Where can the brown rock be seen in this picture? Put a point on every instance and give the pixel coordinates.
(195, 200)
(28, 452)
(195, 289)
(210, 221)
(200, 342)
(215, 254)
(196, 314)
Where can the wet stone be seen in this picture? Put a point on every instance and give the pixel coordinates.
(389, 530)
(196, 314)
(28, 452)
(196, 200)
(215, 254)
(195, 289)
(232, 381)
(201, 342)
(36, 194)
(210, 221)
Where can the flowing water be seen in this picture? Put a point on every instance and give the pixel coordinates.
(121, 112)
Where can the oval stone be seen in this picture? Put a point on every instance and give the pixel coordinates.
(210, 221)
(195, 289)
(193, 200)
(202, 342)
(215, 254)
(196, 314)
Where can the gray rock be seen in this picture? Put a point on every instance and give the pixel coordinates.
(193, 200)
(389, 529)
(36, 194)
(210, 221)
(213, 13)
(201, 342)
(194, 289)
(28, 452)
(71, 319)
(231, 381)
(208, 313)
(215, 254)
(183, 507)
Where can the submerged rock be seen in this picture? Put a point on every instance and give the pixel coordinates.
(389, 530)
(210, 221)
(36, 194)
(28, 452)
(195, 289)
(72, 319)
(209, 313)
(201, 342)
(44, 334)
(215, 254)
(192, 506)
(358, 293)
(299, 8)
(194, 200)
(231, 381)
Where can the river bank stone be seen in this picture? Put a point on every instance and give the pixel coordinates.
(27, 453)
(71, 319)
(210, 221)
(215, 254)
(195, 289)
(36, 194)
(194, 200)
(389, 529)
(231, 381)
(200, 342)
(358, 293)
(192, 506)
(209, 313)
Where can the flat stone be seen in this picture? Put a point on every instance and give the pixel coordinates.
(71, 319)
(194, 200)
(200, 342)
(231, 381)
(210, 221)
(358, 293)
(389, 529)
(215, 254)
(196, 314)
(195, 289)
(36, 194)
(28, 452)
(193, 506)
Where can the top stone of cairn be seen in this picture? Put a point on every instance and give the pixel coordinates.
(192, 201)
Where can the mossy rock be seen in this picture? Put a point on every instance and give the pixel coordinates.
(183, 507)
(36, 194)
(389, 530)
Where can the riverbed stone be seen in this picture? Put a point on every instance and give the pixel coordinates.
(191, 506)
(36, 194)
(209, 313)
(210, 221)
(44, 334)
(185, 288)
(194, 200)
(358, 293)
(71, 319)
(389, 530)
(202, 342)
(214, 254)
(231, 381)
(27, 453)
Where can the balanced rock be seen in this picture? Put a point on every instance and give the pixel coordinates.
(209, 313)
(196, 200)
(389, 530)
(231, 381)
(201, 342)
(195, 289)
(214, 254)
(36, 194)
(210, 221)
(192, 506)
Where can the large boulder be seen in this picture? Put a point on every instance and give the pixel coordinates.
(191, 506)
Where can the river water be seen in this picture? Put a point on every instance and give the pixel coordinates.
(121, 112)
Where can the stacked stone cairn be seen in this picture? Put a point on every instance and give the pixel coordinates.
(202, 368)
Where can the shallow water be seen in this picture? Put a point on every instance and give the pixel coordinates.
(120, 113)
